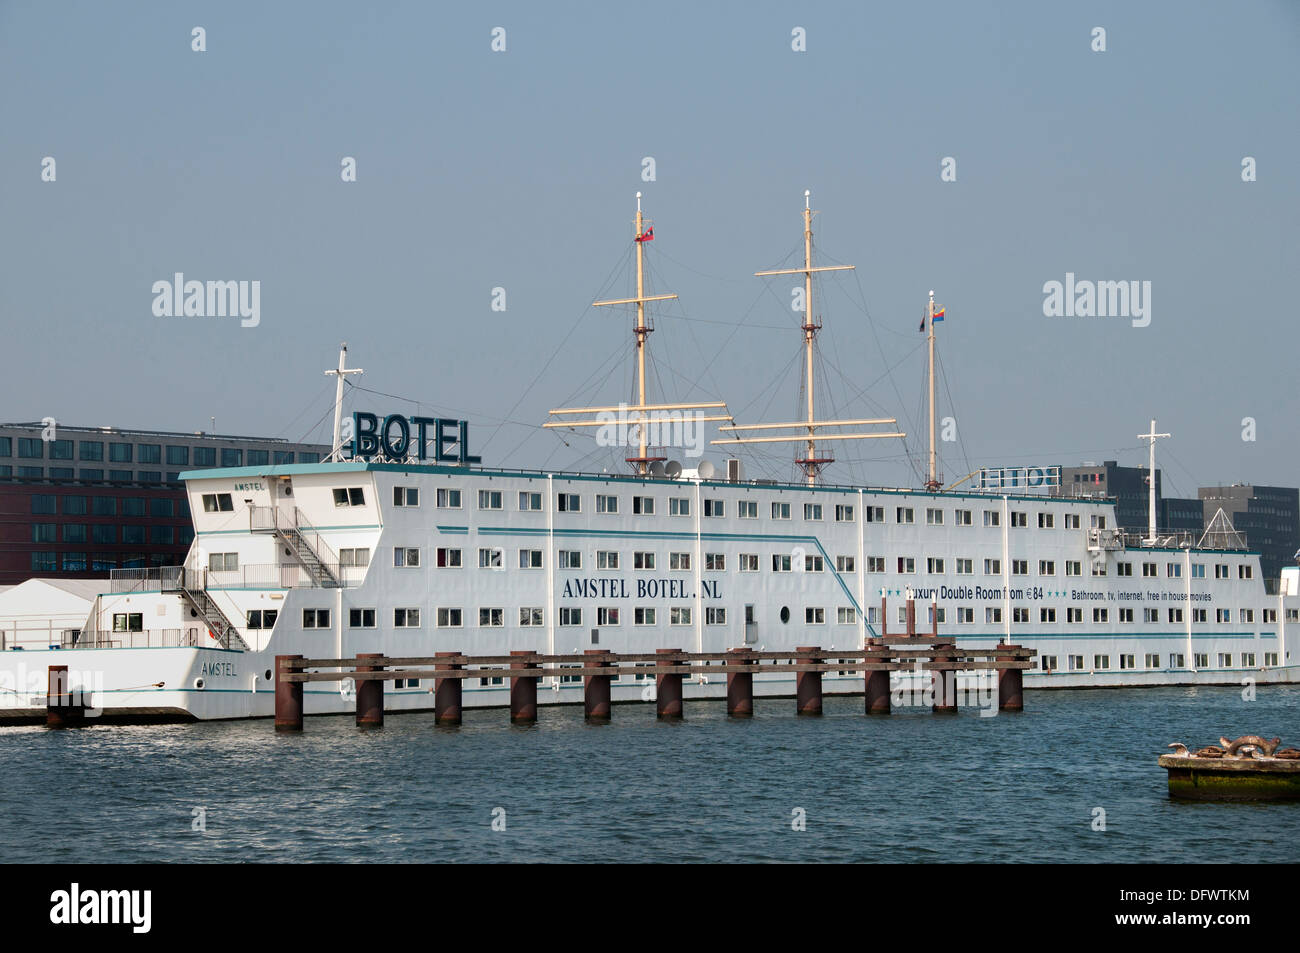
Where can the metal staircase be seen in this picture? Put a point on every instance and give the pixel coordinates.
(302, 540)
(217, 622)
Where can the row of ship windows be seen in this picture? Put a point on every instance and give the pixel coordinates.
(530, 501)
(33, 448)
(533, 616)
(493, 557)
(1201, 660)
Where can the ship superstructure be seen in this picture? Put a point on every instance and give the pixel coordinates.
(405, 543)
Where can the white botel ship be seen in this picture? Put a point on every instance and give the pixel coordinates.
(404, 543)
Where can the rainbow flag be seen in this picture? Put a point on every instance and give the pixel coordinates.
(938, 315)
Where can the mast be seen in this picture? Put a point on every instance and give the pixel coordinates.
(1151, 438)
(932, 479)
(810, 462)
(643, 413)
(336, 451)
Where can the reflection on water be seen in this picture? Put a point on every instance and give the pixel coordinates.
(911, 787)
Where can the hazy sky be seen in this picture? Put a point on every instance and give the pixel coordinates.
(518, 169)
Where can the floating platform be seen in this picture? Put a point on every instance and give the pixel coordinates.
(1241, 771)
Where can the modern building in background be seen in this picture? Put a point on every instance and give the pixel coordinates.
(76, 502)
(1128, 487)
(1268, 516)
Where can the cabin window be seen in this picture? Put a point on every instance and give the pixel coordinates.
(530, 501)
(814, 615)
(747, 509)
(128, 622)
(223, 562)
(349, 558)
(530, 559)
(491, 617)
(409, 557)
(606, 559)
(679, 506)
(570, 559)
(262, 618)
(933, 517)
(679, 615)
(606, 503)
(813, 564)
(568, 503)
(715, 615)
(531, 616)
(490, 557)
(643, 505)
(406, 496)
(489, 499)
(315, 618)
(715, 562)
(780, 511)
(570, 615)
(406, 618)
(643, 615)
(449, 618)
(349, 496)
(812, 511)
(679, 561)
(448, 499)
(217, 503)
(843, 513)
(449, 558)
(749, 562)
(844, 564)
(359, 619)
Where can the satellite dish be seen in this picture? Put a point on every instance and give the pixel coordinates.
(705, 470)
(672, 469)
(656, 468)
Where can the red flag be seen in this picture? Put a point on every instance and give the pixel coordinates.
(648, 235)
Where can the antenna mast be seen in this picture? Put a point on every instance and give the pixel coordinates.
(1151, 438)
(336, 448)
(641, 414)
(810, 462)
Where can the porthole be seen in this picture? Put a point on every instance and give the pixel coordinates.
(785, 613)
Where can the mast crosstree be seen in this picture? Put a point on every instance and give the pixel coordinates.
(642, 414)
(810, 462)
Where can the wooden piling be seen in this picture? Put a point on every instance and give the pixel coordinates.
(740, 686)
(596, 689)
(808, 685)
(944, 683)
(446, 692)
(876, 685)
(370, 694)
(668, 691)
(1011, 691)
(288, 695)
(62, 709)
(523, 690)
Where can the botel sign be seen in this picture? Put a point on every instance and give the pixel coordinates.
(398, 438)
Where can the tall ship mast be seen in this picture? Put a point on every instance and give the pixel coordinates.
(642, 414)
(807, 432)
(932, 480)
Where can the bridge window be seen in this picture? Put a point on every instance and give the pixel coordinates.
(128, 622)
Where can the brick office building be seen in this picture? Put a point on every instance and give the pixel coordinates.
(88, 500)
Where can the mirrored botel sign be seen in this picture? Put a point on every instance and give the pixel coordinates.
(1018, 478)
(398, 439)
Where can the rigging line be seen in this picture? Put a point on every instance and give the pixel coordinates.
(314, 402)
(614, 365)
(871, 322)
(320, 420)
(558, 348)
(961, 439)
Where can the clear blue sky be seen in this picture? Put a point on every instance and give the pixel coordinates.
(479, 169)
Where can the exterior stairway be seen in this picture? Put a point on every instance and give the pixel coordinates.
(295, 537)
(216, 620)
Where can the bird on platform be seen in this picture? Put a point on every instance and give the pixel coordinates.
(1180, 749)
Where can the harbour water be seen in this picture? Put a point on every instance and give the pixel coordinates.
(910, 787)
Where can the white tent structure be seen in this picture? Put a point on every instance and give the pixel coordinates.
(40, 613)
